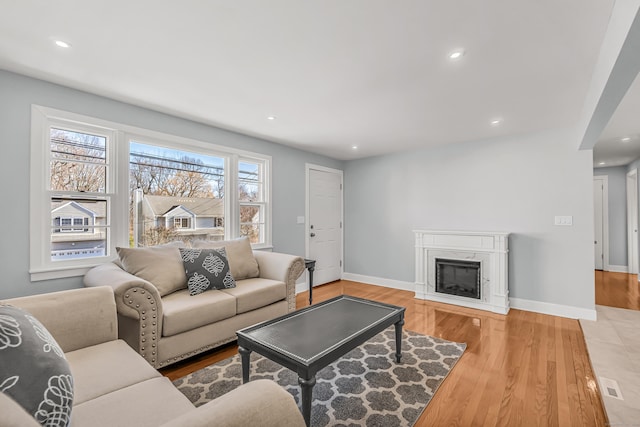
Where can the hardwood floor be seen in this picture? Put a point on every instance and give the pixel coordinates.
(523, 369)
(620, 290)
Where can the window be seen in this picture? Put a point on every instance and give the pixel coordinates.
(66, 225)
(181, 223)
(102, 184)
(176, 194)
(252, 196)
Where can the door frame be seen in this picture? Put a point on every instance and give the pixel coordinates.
(605, 219)
(308, 167)
(632, 221)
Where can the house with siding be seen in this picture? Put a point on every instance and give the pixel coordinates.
(77, 229)
(187, 217)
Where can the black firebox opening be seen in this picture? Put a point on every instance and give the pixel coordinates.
(456, 277)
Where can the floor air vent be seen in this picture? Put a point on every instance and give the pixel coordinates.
(610, 388)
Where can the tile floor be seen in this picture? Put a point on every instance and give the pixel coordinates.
(613, 342)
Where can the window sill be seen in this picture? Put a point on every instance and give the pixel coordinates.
(262, 247)
(38, 275)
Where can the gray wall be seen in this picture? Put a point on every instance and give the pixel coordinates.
(617, 193)
(515, 184)
(512, 184)
(17, 93)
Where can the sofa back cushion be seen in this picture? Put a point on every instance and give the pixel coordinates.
(34, 371)
(161, 265)
(242, 263)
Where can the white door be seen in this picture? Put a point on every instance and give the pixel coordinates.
(632, 221)
(598, 217)
(324, 224)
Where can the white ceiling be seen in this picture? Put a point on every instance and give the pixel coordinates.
(335, 73)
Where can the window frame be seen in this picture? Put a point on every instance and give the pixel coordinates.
(265, 192)
(117, 192)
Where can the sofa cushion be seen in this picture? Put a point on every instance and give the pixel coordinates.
(104, 368)
(183, 312)
(34, 371)
(149, 403)
(206, 269)
(160, 265)
(14, 415)
(255, 293)
(242, 263)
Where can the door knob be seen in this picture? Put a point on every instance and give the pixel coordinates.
(312, 234)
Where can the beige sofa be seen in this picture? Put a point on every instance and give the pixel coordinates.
(115, 386)
(167, 328)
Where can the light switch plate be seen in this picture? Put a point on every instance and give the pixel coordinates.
(300, 220)
(563, 220)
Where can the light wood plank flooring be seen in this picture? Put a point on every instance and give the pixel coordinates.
(619, 290)
(524, 369)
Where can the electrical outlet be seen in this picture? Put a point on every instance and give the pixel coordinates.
(563, 220)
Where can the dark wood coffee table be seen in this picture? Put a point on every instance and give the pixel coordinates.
(309, 339)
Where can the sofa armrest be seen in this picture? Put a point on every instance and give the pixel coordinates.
(283, 267)
(258, 403)
(14, 415)
(139, 307)
(76, 318)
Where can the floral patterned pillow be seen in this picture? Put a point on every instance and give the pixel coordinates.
(34, 371)
(206, 269)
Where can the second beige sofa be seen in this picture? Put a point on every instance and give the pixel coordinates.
(114, 386)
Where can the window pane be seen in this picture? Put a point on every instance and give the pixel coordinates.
(81, 177)
(252, 231)
(79, 228)
(249, 192)
(251, 222)
(82, 147)
(249, 214)
(248, 171)
(175, 195)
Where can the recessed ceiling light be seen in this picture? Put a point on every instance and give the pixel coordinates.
(456, 54)
(496, 122)
(271, 117)
(625, 139)
(354, 147)
(61, 43)
(602, 163)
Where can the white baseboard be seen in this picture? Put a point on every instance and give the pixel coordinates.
(617, 268)
(302, 287)
(379, 281)
(554, 309)
(517, 303)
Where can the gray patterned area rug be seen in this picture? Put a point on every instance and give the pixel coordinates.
(364, 388)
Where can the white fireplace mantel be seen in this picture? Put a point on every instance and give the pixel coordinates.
(491, 249)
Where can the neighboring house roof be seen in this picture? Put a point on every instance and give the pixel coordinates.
(96, 209)
(161, 205)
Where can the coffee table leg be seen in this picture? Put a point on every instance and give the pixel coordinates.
(307, 393)
(311, 269)
(398, 326)
(244, 356)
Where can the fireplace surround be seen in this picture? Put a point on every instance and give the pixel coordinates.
(450, 263)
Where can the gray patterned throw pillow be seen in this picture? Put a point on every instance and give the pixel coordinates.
(34, 371)
(206, 269)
